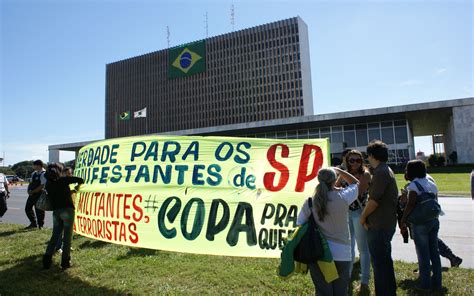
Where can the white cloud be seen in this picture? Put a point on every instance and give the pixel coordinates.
(410, 83)
(440, 71)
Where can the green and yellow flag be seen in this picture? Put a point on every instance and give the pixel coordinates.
(124, 115)
(187, 59)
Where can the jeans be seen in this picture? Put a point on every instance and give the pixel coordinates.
(444, 250)
(337, 287)
(426, 241)
(63, 221)
(381, 254)
(30, 203)
(359, 234)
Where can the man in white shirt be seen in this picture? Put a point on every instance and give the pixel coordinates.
(4, 194)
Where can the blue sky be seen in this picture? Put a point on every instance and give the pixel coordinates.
(364, 54)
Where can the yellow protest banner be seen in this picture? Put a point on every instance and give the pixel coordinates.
(206, 195)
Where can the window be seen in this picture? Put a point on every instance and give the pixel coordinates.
(387, 135)
(349, 138)
(303, 134)
(291, 135)
(361, 135)
(326, 133)
(401, 134)
(270, 135)
(402, 156)
(374, 134)
(313, 133)
(336, 135)
(400, 123)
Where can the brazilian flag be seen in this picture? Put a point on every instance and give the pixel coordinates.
(124, 115)
(187, 59)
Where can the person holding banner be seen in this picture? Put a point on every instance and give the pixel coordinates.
(59, 193)
(354, 162)
(68, 172)
(330, 213)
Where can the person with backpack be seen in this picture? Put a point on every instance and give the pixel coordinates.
(444, 250)
(35, 188)
(329, 210)
(59, 194)
(421, 212)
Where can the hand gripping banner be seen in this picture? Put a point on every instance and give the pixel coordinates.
(206, 195)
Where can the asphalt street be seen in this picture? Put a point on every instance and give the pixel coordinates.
(456, 227)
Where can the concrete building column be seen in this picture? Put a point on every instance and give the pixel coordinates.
(53, 155)
(463, 117)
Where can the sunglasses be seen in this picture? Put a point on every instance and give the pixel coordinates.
(355, 160)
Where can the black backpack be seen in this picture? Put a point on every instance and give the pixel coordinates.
(310, 247)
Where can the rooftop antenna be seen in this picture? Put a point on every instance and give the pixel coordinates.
(168, 35)
(207, 26)
(232, 16)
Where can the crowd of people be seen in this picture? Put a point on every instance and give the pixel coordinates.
(359, 204)
(354, 204)
(58, 183)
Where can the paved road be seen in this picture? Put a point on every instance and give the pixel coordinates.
(457, 227)
(16, 208)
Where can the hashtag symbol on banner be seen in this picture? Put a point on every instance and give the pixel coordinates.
(152, 207)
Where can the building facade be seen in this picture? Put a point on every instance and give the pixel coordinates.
(257, 74)
(450, 122)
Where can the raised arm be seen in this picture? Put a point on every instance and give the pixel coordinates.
(350, 179)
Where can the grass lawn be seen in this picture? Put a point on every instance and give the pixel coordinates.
(106, 269)
(448, 183)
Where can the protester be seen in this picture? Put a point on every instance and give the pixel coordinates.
(353, 161)
(443, 248)
(34, 192)
(4, 194)
(330, 213)
(68, 173)
(379, 217)
(425, 234)
(59, 194)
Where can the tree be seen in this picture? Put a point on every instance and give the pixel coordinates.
(23, 169)
(6, 171)
(432, 160)
(440, 161)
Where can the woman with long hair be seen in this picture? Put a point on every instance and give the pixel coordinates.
(330, 214)
(57, 188)
(354, 164)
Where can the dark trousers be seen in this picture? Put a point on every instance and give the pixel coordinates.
(380, 248)
(336, 287)
(444, 250)
(63, 222)
(3, 204)
(37, 219)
